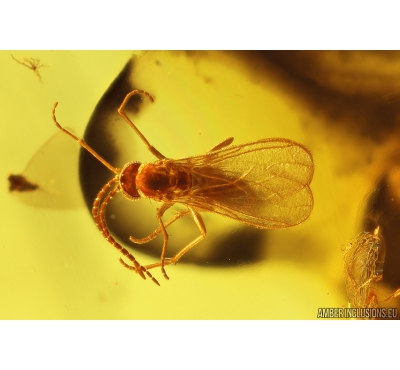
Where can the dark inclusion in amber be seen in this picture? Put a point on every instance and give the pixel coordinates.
(20, 183)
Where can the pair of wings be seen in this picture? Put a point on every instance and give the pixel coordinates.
(263, 183)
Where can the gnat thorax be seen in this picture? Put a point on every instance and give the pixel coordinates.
(162, 180)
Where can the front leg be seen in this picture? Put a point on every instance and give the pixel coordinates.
(172, 261)
(160, 213)
(158, 230)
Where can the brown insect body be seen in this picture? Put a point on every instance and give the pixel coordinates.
(248, 191)
(163, 180)
(31, 63)
(264, 184)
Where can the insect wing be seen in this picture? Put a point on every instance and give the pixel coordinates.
(263, 183)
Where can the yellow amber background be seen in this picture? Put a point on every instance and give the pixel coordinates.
(55, 264)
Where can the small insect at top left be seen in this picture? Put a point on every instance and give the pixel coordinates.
(31, 63)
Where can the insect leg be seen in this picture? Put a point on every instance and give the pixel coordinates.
(222, 144)
(172, 261)
(83, 143)
(158, 230)
(162, 227)
(153, 150)
(12, 56)
(394, 295)
(200, 224)
(98, 212)
(37, 73)
(160, 213)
